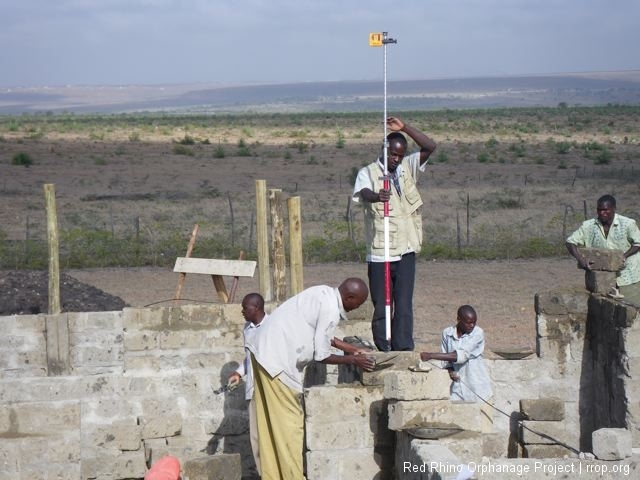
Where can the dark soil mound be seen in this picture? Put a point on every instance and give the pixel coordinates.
(25, 292)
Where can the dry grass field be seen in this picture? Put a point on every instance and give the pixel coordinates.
(503, 184)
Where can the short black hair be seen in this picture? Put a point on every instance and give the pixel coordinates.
(397, 137)
(607, 199)
(467, 309)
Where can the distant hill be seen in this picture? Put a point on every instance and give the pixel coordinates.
(595, 88)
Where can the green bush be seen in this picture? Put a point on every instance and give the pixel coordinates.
(187, 140)
(180, 149)
(22, 158)
(219, 153)
(243, 149)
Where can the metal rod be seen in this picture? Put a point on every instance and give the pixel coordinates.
(387, 265)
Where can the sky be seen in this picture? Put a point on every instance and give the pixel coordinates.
(155, 42)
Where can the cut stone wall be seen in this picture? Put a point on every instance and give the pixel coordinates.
(103, 395)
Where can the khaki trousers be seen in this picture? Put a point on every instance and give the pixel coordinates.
(253, 434)
(280, 421)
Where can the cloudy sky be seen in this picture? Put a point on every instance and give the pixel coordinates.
(121, 42)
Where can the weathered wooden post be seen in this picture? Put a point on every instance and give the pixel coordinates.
(277, 243)
(262, 238)
(54, 248)
(295, 244)
(56, 325)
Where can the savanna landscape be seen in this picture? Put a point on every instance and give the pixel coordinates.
(503, 190)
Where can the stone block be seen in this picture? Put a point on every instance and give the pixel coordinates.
(626, 316)
(408, 385)
(466, 415)
(561, 302)
(118, 435)
(612, 443)
(494, 445)
(114, 464)
(548, 433)
(354, 464)
(544, 409)
(225, 466)
(102, 350)
(155, 449)
(601, 259)
(41, 419)
(343, 402)
(139, 364)
(188, 448)
(361, 433)
(135, 341)
(425, 460)
(599, 282)
(547, 451)
(140, 319)
(196, 339)
(568, 326)
(160, 426)
(95, 321)
(10, 454)
(387, 362)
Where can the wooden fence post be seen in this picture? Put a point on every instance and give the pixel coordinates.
(262, 239)
(295, 244)
(277, 243)
(54, 248)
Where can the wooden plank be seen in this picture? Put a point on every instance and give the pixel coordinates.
(209, 266)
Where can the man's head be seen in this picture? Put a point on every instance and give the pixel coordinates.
(253, 308)
(467, 319)
(397, 150)
(354, 292)
(606, 209)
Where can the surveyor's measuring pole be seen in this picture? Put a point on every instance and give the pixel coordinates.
(382, 40)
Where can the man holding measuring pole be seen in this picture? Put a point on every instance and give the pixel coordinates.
(404, 216)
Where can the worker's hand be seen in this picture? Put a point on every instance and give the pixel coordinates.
(426, 356)
(234, 380)
(395, 124)
(362, 351)
(454, 376)
(384, 195)
(365, 362)
(583, 263)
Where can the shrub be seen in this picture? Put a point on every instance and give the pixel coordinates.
(22, 158)
(243, 149)
(442, 157)
(563, 147)
(219, 153)
(483, 157)
(603, 157)
(182, 150)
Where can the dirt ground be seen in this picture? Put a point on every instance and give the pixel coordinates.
(501, 291)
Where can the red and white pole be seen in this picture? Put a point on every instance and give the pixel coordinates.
(386, 184)
(381, 40)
